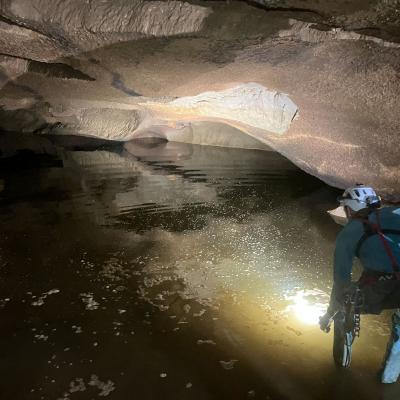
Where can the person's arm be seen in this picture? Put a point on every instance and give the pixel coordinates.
(345, 249)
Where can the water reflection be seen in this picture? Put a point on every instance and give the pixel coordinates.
(182, 258)
(308, 305)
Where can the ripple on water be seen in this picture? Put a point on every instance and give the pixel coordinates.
(220, 238)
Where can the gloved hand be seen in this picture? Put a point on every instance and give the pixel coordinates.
(325, 322)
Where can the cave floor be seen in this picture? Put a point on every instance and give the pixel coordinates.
(175, 272)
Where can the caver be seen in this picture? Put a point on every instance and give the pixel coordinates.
(372, 234)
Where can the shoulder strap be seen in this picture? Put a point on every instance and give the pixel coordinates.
(368, 233)
(375, 229)
(395, 264)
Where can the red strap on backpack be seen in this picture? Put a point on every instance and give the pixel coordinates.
(389, 252)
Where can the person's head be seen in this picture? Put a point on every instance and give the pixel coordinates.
(358, 199)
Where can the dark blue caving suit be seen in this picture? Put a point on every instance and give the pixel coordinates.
(371, 251)
(381, 289)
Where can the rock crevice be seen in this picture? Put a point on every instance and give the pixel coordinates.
(309, 32)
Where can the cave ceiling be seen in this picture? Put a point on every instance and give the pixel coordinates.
(318, 81)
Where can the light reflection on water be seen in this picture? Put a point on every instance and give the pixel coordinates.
(193, 232)
(246, 222)
(308, 305)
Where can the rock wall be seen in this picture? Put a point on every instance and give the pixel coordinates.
(105, 123)
(82, 25)
(309, 32)
(382, 17)
(290, 75)
(18, 41)
(10, 68)
(248, 104)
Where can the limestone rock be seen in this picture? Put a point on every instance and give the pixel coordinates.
(77, 26)
(105, 123)
(309, 32)
(11, 144)
(248, 104)
(10, 68)
(25, 43)
(214, 73)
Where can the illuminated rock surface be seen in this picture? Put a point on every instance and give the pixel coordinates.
(157, 269)
(316, 81)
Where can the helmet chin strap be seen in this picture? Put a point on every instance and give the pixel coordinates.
(350, 214)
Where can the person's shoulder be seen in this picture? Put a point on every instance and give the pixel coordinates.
(353, 225)
(351, 231)
(391, 210)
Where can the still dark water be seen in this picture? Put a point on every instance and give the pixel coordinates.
(172, 271)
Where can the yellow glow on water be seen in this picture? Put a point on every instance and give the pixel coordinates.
(305, 307)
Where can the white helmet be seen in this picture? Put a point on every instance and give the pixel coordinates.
(359, 197)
